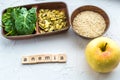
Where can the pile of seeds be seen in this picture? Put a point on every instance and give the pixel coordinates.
(89, 24)
(51, 20)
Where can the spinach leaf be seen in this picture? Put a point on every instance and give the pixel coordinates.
(8, 22)
(19, 21)
(26, 21)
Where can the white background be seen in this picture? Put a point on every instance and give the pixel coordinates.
(69, 43)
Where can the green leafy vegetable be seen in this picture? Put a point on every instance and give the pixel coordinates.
(19, 21)
(9, 22)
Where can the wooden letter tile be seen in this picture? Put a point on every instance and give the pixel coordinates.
(62, 58)
(40, 58)
(48, 58)
(25, 60)
(33, 59)
(55, 58)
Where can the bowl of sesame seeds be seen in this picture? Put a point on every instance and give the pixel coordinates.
(89, 21)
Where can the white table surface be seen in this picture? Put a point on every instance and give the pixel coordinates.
(76, 67)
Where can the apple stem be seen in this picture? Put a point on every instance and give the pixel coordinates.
(104, 47)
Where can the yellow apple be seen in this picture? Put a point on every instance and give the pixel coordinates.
(102, 54)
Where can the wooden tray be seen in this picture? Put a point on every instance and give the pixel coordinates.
(50, 5)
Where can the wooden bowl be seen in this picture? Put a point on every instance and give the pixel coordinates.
(94, 9)
(49, 5)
